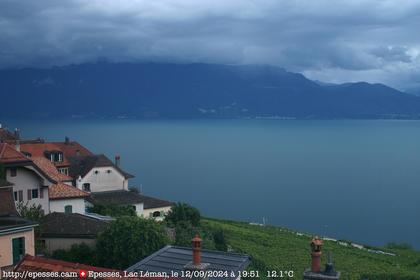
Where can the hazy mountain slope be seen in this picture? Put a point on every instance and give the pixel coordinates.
(191, 90)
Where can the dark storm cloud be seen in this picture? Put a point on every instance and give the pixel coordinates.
(336, 41)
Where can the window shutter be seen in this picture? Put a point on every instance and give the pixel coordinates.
(41, 193)
(20, 196)
(29, 194)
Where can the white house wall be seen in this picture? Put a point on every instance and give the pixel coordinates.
(26, 179)
(104, 181)
(78, 205)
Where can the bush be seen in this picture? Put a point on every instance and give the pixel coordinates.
(129, 240)
(113, 210)
(78, 253)
(182, 212)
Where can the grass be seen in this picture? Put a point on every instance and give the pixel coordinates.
(274, 248)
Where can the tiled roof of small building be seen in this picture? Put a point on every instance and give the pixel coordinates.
(71, 225)
(128, 197)
(174, 258)
(40, 264)
(48, 167)
(8, 154)
(4, 183)
(64, 191)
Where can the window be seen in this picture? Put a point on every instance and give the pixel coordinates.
(20, 196)
(15, 196)
(18, 245)
(64, 171)
(34, 193)
(13, 172)
(96, 171)
(156, 214)
(68, 209)
(86, 187)
(108, 171)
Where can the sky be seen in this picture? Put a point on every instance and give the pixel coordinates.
(331, 41)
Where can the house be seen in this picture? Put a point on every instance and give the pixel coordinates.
(68, 270)
(16, 233)
(56, 152)
(184, 260)
(37, 181)
(145, 206)
(30, 182)
(62, 230)
(97, 173)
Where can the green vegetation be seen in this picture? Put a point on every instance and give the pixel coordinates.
(113, 210)
(183, 212)
(33, 213)
(129, 240)
(79, 253)
(273, 248)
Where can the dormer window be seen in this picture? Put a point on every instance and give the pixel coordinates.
(55, 156)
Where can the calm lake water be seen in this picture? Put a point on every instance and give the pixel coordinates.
(357, 180)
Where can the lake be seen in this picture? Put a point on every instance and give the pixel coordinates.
(357, 179)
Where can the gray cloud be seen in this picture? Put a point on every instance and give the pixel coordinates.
(334, 41)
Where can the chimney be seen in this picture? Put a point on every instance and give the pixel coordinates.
(315, 273)
(316, 246)
(17, 145)
(66, 140)
(77, 152)
(196, 266)
(117, 160)
(17, 134)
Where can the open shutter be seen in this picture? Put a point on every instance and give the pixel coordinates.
(41, 193)
(29, 194)
(20, 194)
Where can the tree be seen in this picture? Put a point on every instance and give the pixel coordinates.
(79, 253)
(128, 240)
(183, 212)
(31, 212)
(113, 210)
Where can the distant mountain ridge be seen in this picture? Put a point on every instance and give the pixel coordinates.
(149, 90)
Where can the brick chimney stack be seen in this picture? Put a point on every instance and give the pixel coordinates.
(196, 245)
(315, 273)
(316, 247)
(117, 160)
(196, 266)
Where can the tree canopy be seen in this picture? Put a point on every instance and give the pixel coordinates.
(182, 212)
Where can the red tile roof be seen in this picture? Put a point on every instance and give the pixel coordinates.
(64, 191)
(40, 264)
(9, 154)
(67, 148)
(48, 167)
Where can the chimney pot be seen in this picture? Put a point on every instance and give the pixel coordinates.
(196, 246)
(316, 246)
(117, 160)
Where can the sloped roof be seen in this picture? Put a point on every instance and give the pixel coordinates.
(48, 167)
(128, 197)
(64, 191)
(40, 264)
(174, 258)
(7, 205)
(72, 148)
(39, 150)
(71, 225)
(8, 154)
(81, 165)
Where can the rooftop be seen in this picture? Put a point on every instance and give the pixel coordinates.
(8, 154)
(64, 191)
(173, 258)
(74, 225)
(4, 183)
(128, 197)
(7, 205)
(81, 165)
(6, 135)
(40, 264)
(48, 168)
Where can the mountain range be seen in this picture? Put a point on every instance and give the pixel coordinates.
(166, 90)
